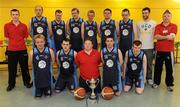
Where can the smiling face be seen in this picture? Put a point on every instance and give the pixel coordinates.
(88, 45)
(136, 49)
(90, 16)
(75, 14)
(125, 15)
(107, 14)
(58, 16)
(40, 42)
(145, 14)
(167, 18)
(66, 46)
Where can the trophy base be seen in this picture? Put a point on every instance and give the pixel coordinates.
(93, 99)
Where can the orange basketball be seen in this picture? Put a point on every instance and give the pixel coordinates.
(79, 93)
(107, 93)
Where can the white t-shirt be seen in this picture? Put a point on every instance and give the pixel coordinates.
(146, 33)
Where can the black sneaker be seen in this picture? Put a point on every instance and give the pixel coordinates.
(9, 88)
(170, 88)
(29, 85)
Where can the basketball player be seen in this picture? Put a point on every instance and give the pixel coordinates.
(112, 60)
(58, 30)
(67, 70)
(108, 27)
(41, 59)
(127, 32)
(40, 25)
(146, 35)
(73, 27)
(135, 66)
(90, 29)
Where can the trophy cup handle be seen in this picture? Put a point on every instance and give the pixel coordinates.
(97, 82)
(87, 82)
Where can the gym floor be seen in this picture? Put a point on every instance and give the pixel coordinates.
(22, 97)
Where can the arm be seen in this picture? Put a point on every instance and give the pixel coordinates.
(120, 57)
(82, 31)
(29, 28)
(57, 59)
(117, 29)
(102, 57)
(145, 67)
(135, 31)
(67, 29)
(31, 57)
(99, 31)
(50, 29)
(125, 65)
(52, 56)
(6, 34)
(75, 54)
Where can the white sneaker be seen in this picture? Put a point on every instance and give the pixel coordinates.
(155, 86)
(150, 82)
(170, 88)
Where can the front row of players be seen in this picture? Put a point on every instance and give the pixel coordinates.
(116, 74)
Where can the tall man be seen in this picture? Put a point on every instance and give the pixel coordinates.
(73, 27)
(146, 34)
(165, 34)
(90, 29)
(40, 25)
(127, 32)
(16, 32)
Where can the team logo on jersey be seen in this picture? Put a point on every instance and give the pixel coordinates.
(107, 32)
(37, 57)
(125, 32)
(35, 24)
(134, 66)
(90, 32)
(39, 29)
(109, 63)
(66, 65)
(59, 31)
(42, 64)
(76, 30)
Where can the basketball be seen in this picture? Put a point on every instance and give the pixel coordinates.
(107, 93)
(79, 93)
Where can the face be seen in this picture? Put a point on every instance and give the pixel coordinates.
(136, 49)
(109, 42)
(66, 46)
(91, 16)
(88, 45)
(125, 15)
(167, 18)
(40, 43)
(145, 14)
(15, 15)
(58, 16)
(107, 14)
(38, 11)
(75, 14)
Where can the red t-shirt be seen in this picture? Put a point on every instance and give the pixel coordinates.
(165, 45)
(88, 64)
(16, 36)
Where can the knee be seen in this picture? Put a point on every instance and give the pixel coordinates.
(139, 91)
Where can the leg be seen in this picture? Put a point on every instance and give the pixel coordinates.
(82, 83)
(169, 69)
(139, 83)
(38, 92)
(12, 68)
(47, 91)
(60, 85)
(128, 83)
(71, 84)
(23, 61)
(158, 68)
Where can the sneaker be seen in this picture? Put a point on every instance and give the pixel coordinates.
(170, 88)
(57, 91)
(150, 82)
(155, 86)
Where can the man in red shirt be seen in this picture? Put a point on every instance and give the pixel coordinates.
(16, 33)
(165, 35)
(88, 61)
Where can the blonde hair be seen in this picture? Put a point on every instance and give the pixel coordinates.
(39, 36)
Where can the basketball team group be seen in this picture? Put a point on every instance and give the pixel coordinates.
(126, 52)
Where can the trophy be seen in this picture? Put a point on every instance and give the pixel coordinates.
(93, 84)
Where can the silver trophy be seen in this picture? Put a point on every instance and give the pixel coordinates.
(93, 84)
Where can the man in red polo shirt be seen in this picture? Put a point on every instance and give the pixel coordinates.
(165, 35)
(88, 61)
(16, 33)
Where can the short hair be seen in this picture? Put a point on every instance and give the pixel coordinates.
(137, 43)
(91, 11)
(167, 11)
(108, 9)
(125, 10)
(39, 6)
(14, 10)
(67, 40)
(75, 9)
(58, 11)
(146, 8)
(88, 39)
(39, 36)
(107, 37)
